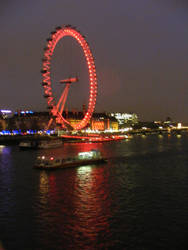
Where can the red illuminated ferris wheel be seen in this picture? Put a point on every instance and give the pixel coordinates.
(58, 108)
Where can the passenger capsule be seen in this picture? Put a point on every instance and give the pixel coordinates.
(43, 71)
(46, 96)
(53, 32)
(44, 83)
(50, 107)
(58, 28)
(44, 59)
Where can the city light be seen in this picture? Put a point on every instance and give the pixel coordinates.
(124, 117)
(5, 111)
(179, 126)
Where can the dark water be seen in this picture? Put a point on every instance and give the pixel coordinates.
(138, 200)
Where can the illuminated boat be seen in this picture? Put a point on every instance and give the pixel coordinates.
(83, 158)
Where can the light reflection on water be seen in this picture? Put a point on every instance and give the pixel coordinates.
(5, 150)
(91, 200)
(43, 187)
(82, 197)
(5, 168)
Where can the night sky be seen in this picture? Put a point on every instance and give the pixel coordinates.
(140, 49)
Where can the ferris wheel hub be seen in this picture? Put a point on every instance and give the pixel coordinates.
(69, 80)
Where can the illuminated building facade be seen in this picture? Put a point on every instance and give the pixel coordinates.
(29, 120)
(98, 125)
(2, 124)
(101, 122)
(4, 115)
(125, 118)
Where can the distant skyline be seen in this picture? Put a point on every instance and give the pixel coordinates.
(140, 50)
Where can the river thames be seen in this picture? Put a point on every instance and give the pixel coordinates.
(137, 200)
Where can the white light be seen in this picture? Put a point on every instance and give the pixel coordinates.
(179, 125)
(5, 111)
(84, 155)
(1, 148)
(144, 128)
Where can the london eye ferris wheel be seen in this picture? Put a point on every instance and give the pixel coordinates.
(57, 106)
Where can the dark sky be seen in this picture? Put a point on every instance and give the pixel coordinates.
(140, 49)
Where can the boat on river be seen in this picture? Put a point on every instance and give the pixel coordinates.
(40, 144)
(53, 143)
(83, 158)
(28, 145)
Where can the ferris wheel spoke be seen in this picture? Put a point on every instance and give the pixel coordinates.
(49, 123)
(64, 99)
(64, 120)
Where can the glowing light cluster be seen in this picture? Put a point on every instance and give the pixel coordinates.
(5, 111)
(55, 36)
(96, 138)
